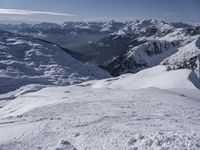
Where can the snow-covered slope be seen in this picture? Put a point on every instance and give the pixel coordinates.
(187, 56)
(158, 77)
(108, 114)
(155, 108)
(24, 60)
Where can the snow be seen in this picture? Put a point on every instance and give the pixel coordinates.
(157, 77)
(114, 113)
(64, 145)
(156, 108)
(121, 119)
(163, 49)
(25, 60)
(186, 57)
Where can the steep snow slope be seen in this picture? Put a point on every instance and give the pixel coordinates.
(115, 116)
(24, 60)
(186, 57)
(157, 77)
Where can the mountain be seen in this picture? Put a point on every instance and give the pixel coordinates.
(177, 49)
(53, 97)
(187, 56)
(181, 25)
(145, 55)
(118, 47)
(46, 26)
(25, 60)
(75, 34)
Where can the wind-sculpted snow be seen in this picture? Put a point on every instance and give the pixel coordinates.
(24, 60)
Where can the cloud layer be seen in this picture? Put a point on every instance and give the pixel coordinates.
(30, 12)
(29, 16)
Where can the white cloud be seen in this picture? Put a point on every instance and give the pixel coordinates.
(17, 15)
(30, 12)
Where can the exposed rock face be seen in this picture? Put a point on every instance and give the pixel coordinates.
(140, 57)
(177, 50)
(188, 57)
(192, 31)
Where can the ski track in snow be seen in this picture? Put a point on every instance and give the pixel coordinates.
(83, 117)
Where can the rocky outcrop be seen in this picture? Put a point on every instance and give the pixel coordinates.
(187, 56)
(140, 57)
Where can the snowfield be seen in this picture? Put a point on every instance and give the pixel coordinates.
(116, 113)
(157, 77)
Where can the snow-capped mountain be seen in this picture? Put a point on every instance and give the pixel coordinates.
(181, 25)
(46, 26)
(146, 55)
(112, 26)
(150, 27)
(153, 103)
(119, 47)
(187, 56)
(24, 60)
(90, 26)
(177, 49)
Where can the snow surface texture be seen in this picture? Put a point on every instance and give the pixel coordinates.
(115, 113)
(157, 77)
(24, 60)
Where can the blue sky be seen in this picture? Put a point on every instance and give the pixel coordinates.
(89, 10)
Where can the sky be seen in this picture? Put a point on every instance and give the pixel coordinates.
(59, 11)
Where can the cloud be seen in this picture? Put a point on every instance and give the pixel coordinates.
(29, 16)
(30, 12)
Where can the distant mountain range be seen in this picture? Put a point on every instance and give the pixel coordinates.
(117, 47)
